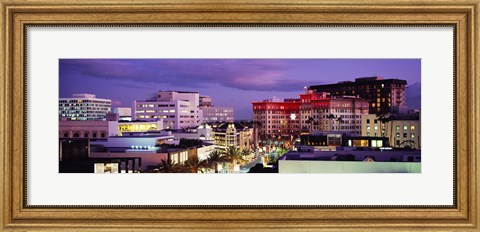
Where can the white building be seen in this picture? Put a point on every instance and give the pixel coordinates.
(177, 109)
(83, 107)
(217, 114)
(124, 113)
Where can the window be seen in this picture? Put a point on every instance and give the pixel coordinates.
(375, 127)
(76, 135)
(94, 135)
(85, 135)
(405, 135)
(65, 135)
(368, 127)
(412, 128)
(405, 128)
(397, 135)
(102, 135)
(368, 120)
(397, 128)
(412, 135)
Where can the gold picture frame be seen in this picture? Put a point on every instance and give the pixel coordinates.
(17, 14)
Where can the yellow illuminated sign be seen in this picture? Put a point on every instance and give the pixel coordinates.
(137, 127)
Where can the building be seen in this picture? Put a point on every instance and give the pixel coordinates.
(313, 112)
(83, 107)
(401, 130)
(177, 109)
(277, 117)
(205, 101)
(103, 129)
(83, 129)
(233, 135)
(322, 112)
(217, 114)
(350, 162)
(385, 95)
(124, 113)
(322, 140)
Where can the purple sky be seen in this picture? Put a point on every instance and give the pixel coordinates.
(230, 82)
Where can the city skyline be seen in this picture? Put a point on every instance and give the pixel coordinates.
(229, 82)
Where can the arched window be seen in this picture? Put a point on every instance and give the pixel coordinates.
(85, 135)
(65, 135)
(94, 135)
(76, 135)
(102, 135)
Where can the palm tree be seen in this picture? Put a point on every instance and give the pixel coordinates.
(339, 120)
(214, 159)
(330, 116)
(384, 119)
(170, 167)
(194, 164)
(234, 156)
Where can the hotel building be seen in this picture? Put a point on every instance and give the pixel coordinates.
(217, 114)
(177, 109)
(322, 112)
(401, 130)
(313, 111)
(83, 107)
(277, 117)
(385, 95)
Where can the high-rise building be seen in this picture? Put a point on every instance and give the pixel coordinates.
(386, 96)
(217, 114)
(322, 112)
(177, 109)
(124, 113)
(83, 107)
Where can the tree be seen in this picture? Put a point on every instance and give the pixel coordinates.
(194, 164)
(234, 156)
(384, 119)
(214, 159)
(170, 167)
(339, 120)
(330, 117)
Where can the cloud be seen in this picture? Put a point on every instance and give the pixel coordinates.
(244, 74)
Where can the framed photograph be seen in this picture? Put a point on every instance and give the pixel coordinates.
(290, 115)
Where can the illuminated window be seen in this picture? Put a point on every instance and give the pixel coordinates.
(412, 135)
(397, 135)
(405, 128)
(375, 127)
(412, 128)
(397, 128)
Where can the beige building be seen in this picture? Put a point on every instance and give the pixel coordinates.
(401, 130)
(233, 135)
(322, 112)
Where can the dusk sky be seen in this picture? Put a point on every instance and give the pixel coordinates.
(230, 82)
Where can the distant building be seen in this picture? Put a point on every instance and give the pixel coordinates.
(177, 109)
(217, 114)
(384, 95)
(233, 135)
(401, 130)
(205, 101)
(83, 107)
(124, 113)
